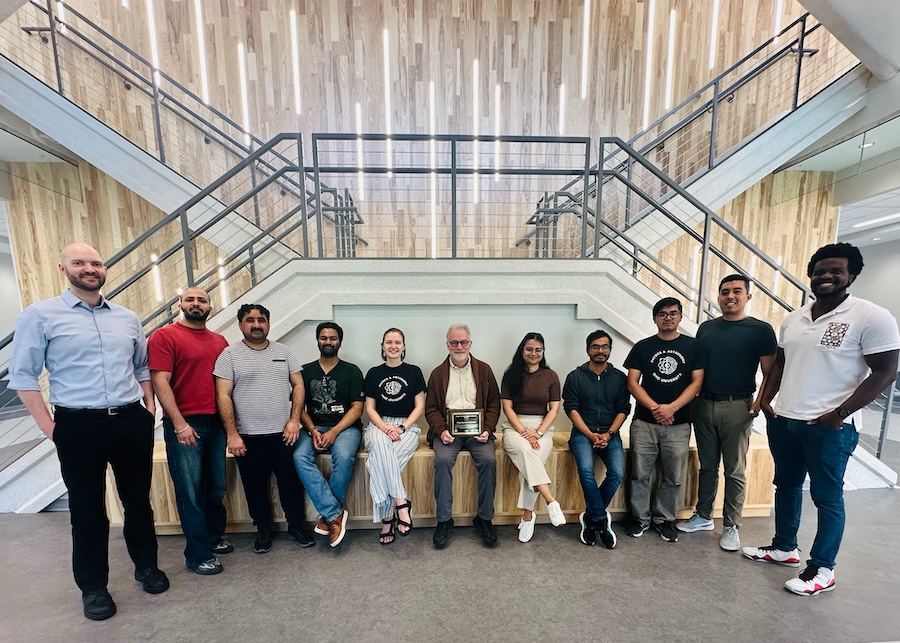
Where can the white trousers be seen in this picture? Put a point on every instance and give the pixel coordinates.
(530, 462)
(385, 462)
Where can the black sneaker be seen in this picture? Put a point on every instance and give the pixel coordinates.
(486, 530)
(667, 530)
(152, 579)
(304, 538)
(606, 534)
(207, 567)
(442, 533)
(588, 535)
(263, 542)
(98, 605)
(635, 528)
(222, 546)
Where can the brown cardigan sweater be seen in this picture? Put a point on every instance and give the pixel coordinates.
(487, 397)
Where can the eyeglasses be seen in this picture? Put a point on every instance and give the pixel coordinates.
(601, 347)
(458, 342)
(668, 315)
(538, 351)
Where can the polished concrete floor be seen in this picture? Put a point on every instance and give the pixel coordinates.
(551, 589)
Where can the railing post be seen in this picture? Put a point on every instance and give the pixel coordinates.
(302, 180)
(714, 125)
(584, 201)
(704, 261)
(256, 219)
(800, 44)
(629, 174)
(318, 191)
(885, 420)
(453, 199)
(154, 76)
(54, 47)
(186, 246)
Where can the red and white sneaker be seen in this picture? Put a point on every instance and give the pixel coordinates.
(771, 554)
(812, 580)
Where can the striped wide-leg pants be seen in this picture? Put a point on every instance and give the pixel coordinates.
(385, 462)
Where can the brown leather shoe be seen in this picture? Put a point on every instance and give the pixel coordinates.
(321, 527)
(337, 529)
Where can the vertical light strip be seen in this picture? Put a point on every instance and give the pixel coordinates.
(776, 19)
(359, 152)
(61, 15)
(752, 274)
(387, 99)
(223, 284)
(670, 60)
(432, 125)
(295, 59)
(562, 108)
(157, 277)
(713, 34)
(648, 64)
(475, 102)
(245, 102)
(201, 44)
(585, 47)
(125, 5)
(777, 280)
(154, 48)
(497, 132)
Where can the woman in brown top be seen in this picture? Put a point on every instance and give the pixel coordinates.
(530, 395)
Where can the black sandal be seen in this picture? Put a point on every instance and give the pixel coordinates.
(408, 525)
(389, 533)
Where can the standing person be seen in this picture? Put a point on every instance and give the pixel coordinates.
(835, 355)
(395, 400)
(331, 420)
(182, 358)
(259, 394)
(462, 382)
(665, 372)
(596, 399)
(529, 396)
(735, 346)
(96, 354)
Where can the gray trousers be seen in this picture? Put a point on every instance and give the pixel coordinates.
(484, 456)
(647, 443)
(722, 430)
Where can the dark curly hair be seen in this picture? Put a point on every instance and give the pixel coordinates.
(838, 251)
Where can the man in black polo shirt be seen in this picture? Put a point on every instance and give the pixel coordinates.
(735, 345)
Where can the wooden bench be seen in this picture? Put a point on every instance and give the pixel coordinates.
(419, 479)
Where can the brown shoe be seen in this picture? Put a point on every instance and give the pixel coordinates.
(337, 528)
(321, 527)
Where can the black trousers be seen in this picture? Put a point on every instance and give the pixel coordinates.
(85, 443)
(268, 454)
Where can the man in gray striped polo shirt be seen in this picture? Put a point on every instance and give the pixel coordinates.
(259, 394)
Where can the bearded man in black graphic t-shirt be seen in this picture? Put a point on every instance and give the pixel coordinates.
(665, 373)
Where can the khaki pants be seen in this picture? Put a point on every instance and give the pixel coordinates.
(529, 462)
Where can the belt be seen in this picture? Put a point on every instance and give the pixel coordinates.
(112, 410)
(717, 397)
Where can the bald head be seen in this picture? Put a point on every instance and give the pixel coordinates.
(83, 267)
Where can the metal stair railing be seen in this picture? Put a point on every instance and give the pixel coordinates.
(708, 126)
(91, 68)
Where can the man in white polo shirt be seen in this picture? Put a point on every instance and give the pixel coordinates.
(835, 355)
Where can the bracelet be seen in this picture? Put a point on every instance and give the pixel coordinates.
(186, 427)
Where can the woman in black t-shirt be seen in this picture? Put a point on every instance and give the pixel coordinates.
(395, 399)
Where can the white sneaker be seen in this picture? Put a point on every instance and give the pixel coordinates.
(770, 554)
(557, 517)
(730, 541)
(812, 580)
(526, 528)
(695, 523)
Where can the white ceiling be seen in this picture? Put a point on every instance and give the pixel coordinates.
(14, 149)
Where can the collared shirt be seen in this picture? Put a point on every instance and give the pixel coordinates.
(461, 387)
(824, 359)
(95, 356)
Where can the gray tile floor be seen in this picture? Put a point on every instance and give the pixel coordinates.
(552, 589)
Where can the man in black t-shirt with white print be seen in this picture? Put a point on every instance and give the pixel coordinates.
(665, 373)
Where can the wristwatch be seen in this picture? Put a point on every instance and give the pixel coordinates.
(540, 435)
(402, 428)
(843, 413)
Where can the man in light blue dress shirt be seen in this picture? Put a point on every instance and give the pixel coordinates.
(96, 354)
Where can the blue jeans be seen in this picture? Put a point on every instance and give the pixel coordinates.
(198, 474)
(613, 456)
(327, 495)
(798, 448)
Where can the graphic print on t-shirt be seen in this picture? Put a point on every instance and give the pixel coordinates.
(667, 366)
(393, 388)
(324, 396)
(834, 334)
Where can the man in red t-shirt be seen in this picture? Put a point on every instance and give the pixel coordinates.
(182, 357)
